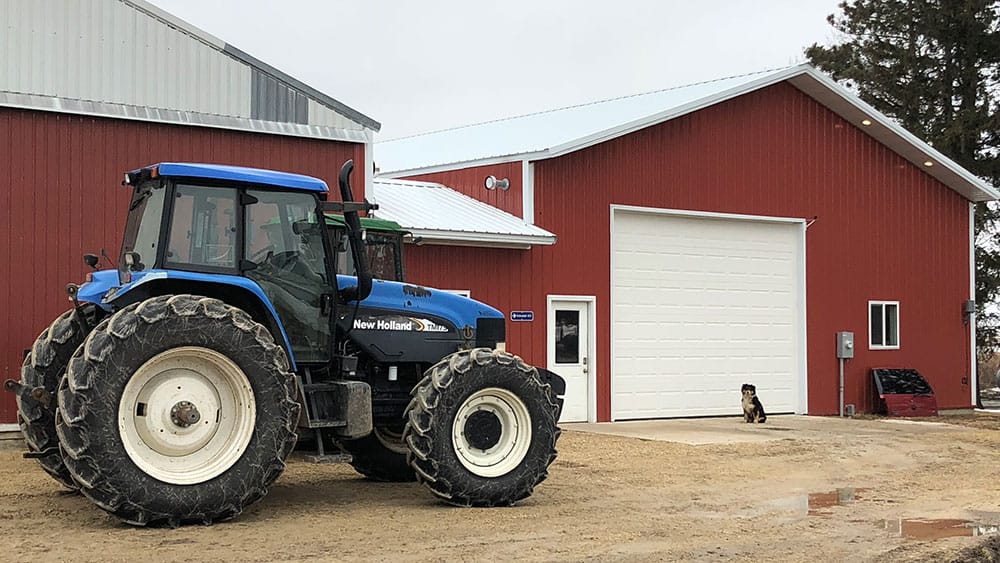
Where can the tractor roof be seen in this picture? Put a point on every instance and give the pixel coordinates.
(235, 174)
(370, 223)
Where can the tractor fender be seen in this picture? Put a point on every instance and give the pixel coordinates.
(234, 290)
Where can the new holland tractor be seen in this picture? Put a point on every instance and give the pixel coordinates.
(174, 388)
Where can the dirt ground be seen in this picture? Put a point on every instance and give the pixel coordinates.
(872, 490)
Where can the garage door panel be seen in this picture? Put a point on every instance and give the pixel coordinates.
(701, 306)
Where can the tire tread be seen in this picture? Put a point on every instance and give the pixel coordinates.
(80, 403)
(420, 430)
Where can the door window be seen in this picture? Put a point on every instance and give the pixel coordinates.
(567, 337)
(203, 229)
(284, 243)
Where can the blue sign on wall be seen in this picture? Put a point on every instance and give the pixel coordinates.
(522, 316)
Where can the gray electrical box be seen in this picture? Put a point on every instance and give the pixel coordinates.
(845, 345)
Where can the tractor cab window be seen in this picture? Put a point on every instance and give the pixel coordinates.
(203, 229)
(285, 246)
(142, 229)
(383, 258)
(383, 248)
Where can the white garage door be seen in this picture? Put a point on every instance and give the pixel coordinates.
(702, 305)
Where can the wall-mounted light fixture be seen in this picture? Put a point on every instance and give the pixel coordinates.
(968, 311)
(491, 183)
(866, 122)
(928, 163)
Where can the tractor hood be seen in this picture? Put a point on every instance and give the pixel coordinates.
(409, 299)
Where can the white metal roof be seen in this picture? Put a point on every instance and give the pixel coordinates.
(553, 133)
(437, 214)
(128, 59)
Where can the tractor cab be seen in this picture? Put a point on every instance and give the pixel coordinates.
(206, 224)
(383, 245)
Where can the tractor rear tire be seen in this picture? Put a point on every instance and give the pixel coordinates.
(481, 428)
(177, 409)
(43, 367)
(381, 456)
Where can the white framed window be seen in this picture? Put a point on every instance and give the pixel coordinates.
(883, 325)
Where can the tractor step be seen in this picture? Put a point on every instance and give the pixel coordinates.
(345, 407)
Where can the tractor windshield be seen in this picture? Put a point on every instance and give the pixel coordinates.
(142, 229)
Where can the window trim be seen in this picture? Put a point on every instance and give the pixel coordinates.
(872, 345)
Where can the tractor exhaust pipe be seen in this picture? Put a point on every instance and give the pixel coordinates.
(364, 287)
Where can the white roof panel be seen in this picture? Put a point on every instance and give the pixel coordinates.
(437, 214)
(538, 132)
(553, 133)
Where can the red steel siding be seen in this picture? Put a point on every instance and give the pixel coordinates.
(496, 276)
(885, 230)
(60, 197)
(469, 181)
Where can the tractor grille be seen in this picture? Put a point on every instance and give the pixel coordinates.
(489, 331)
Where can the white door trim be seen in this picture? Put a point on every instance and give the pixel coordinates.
(550, 339)
(803, 381)
(973, 369)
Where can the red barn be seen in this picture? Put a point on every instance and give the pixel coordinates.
(713, 235)
(98, 88)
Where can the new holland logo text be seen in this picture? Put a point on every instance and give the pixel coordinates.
(400, 324)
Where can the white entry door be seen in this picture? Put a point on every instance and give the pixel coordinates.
(569, 352)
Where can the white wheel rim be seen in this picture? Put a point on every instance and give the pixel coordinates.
(515, 434)
(391, 439)
(170, 447)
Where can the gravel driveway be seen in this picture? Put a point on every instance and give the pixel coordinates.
(835, 491)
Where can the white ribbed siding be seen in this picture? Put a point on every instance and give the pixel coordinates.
(109, 51)
(128, 58)
(319, 114)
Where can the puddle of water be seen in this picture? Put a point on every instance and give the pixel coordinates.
(819, 504)
(935, 529)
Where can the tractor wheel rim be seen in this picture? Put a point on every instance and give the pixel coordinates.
(392, 439)
(186, 448)
(499, 453)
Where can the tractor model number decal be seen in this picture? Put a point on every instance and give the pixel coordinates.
(398, 324)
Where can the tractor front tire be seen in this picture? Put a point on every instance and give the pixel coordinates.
(178, 409)
(481, 428)
(381, 455)
(43, 367)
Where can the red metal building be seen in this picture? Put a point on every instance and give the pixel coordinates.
(67, 136)
(723, 236)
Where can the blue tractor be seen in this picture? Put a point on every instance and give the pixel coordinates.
(175, 388)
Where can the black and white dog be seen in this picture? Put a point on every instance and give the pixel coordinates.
(753, 411)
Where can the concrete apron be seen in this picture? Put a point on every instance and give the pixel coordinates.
(732, 430)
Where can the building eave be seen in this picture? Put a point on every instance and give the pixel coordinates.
(488, 240)
(175, 117)
(445, 167)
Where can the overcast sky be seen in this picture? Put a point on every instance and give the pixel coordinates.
(418, 66)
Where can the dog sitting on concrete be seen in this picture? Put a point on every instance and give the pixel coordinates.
(753, 411)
